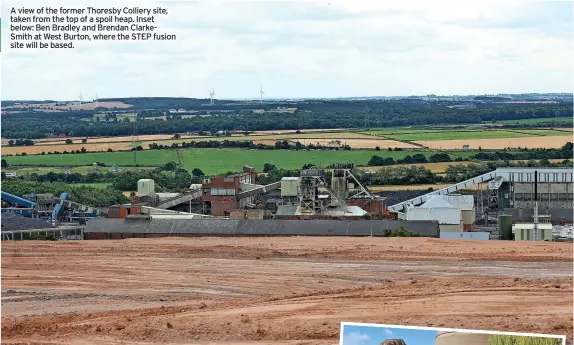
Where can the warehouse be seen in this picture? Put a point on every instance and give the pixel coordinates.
(448, 216)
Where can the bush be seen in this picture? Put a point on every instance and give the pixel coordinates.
(399, 232)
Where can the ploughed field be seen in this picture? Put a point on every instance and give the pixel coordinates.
(290, 290)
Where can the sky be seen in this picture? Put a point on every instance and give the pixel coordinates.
(307, 49)
(371, 335)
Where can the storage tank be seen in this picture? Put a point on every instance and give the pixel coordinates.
(505, 225)
(146, 187)
(458, 338)
(290, 186)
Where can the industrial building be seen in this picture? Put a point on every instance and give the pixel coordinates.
(448, 216)
(328, 202)
(511, 191)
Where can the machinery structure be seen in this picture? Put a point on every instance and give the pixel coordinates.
(48, 207)
(344, 198)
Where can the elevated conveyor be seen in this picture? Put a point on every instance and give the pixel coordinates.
(81, 207)
(400, 207)
(258, 189)
(180, 199)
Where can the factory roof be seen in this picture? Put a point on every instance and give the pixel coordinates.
(167, 195)
(290, 178)
(295, 210)
(465, 202)
(436, 201)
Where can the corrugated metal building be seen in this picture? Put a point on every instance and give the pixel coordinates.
(466, 204)
(448, 216)
(525, 232)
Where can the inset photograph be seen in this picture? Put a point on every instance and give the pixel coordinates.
(377, 334)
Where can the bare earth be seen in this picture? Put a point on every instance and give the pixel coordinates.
(499, 143)
(293, 290)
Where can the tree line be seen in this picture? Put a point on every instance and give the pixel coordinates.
(565, 152)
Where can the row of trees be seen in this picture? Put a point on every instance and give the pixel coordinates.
(248, 144)
(565, 152)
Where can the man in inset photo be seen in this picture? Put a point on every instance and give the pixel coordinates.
(393, 342)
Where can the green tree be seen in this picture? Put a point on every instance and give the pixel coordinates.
(4, 163)
(267, 167)
(84, 141)
(69, 141)
(197, 172)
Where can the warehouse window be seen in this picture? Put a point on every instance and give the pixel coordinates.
(518, 196)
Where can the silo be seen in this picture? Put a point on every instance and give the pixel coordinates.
(457, 338)
(505, 225)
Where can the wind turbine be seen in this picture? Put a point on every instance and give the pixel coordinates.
(97, 101)
(211, 95)
(262, 93)
(80, 100)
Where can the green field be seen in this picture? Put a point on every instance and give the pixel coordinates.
(220, 160)
(423, 134)
(22, 171)
(543, 132)
(454, 135)
(550, 120)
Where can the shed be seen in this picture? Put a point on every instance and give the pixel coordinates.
(436, 208)
(525, 232)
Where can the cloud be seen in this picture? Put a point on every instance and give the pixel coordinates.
(388, 332)
(355, 338)
(311, 49)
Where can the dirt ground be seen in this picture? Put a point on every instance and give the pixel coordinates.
(293, 290)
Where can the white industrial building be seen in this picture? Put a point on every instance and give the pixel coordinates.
(466, 205)
(436, 208)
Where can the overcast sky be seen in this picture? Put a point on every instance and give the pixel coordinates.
(310, 48)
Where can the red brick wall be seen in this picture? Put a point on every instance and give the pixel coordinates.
(372, 206)
(220, 204)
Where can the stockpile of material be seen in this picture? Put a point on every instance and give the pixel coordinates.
(11, 221)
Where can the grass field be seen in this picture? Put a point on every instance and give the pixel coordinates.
(454, 135)
(25, 170)
(219, 160)
(543, 132)
(543, 120)
(499, 143)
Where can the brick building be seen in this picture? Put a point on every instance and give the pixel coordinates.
(220, 193)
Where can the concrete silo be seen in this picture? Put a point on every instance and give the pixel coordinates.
(457, 338)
